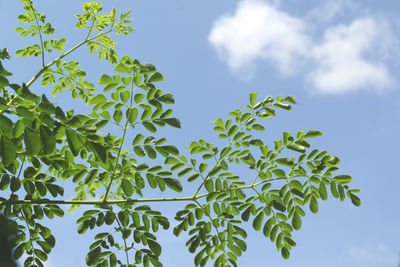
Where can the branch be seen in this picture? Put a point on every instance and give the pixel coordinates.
(40, 35)
(124, 201)
(37, 75)
(119, 150)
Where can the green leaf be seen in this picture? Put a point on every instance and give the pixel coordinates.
(123, 68)
(137, 79)
(142, 167)
(41, 188)
(279, 173)
(32, 141)
(105, 79)
(55, 189)
(289, 99)
(256, 142)
(137, 139)
(4, 182)
(282, 106)
(174, 184)
(110, 87)
(258, 127)
(117, 116)
(258, 220)
(109, 218)
(125, 95)
(8, 151)
(74, 141)
(150, 152)
(235, 249)
(248, 159)
(174, 122)
(19, 128)
(342, 179)
(155, 247)
(97, 99)
(295, 184)
(132, 114)
(313, 205)
(3, 81)
(6, 126)
(330, 161)
(139, 151)
(15, 184)
(127, 187)
(296, 221)
(214, 170)
(285, 253)
(126, 80)
(285, 162)
(167, 99)
(209, 185)
(29, 187)
(151, 93)
(184, 171)
(233, 130)
(149, 126)
(355, 200)
(48, 140)
(90, 176)
(99, 151)
(193, 177)
(322, 191)
(123, 217)
(156, 77)
(93, 256)
(312, 134)
(278, 205)
(40, 254)
(253, 98)
(334, 190)
(296, 147)
(138, 98)
(19, 251)
(220, 123)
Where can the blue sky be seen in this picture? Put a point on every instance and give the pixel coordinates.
(338, 57)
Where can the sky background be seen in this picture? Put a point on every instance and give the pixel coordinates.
(338, 57)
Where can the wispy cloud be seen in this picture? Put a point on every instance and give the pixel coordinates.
(342, 59)
(377, 254)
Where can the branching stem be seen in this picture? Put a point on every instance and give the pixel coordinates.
(37, 75)
(124, 201)
(40, 36)
(119, 150)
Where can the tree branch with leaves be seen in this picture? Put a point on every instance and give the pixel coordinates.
(115, 175)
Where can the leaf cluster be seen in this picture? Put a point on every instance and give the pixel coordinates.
(42, 143)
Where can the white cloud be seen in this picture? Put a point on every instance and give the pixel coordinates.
(258, 30)
(343, 59)
(340, 59)
(377, 254)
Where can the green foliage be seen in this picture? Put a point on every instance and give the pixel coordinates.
(42, 143)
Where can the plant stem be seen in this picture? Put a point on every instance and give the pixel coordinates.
(119, 150)
(219, 160)
(40, 36)
(37, 75)
(126, 246)
(125, 201)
